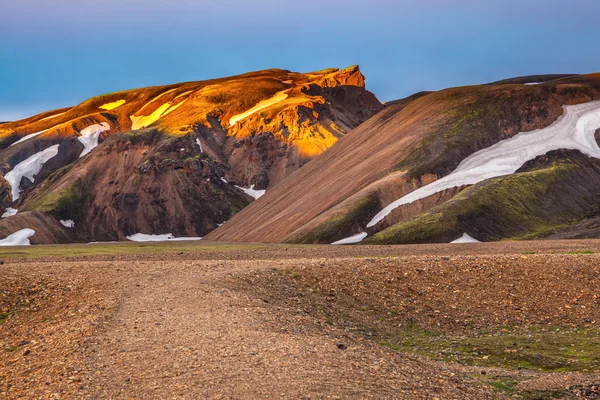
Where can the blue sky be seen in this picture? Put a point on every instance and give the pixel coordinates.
(58, 53)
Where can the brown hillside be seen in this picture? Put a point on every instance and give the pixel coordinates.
(398, 150)
(170, 157)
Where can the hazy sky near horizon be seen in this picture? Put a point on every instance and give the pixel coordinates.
(58, 53)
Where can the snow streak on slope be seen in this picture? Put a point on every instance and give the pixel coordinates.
(19, 238)
(69, 223)
(89, 136)
(250, 191)
(143, 237)
(199, 143)
(31, 135)
(359, 237)
(113, 105)
(28, 168)
(280, 96)
(574, 130)
(53, 116)
(465, 238)
(144, 121)
(9, 212)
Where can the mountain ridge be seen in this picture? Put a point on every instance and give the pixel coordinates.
(167, 158)
(402, 148)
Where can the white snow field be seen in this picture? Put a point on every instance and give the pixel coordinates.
(142, 237)
(574, 130)
(359, 237)
(68, 223)
(279, 97)
(532, 83)
(9, 212)
(19, 238)
(31, 135)
(249, 191)
(465, 238)
(199, 143)
(29, 168)
(89, 136)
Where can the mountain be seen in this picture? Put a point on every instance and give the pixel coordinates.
(178, 159)
(515, 159)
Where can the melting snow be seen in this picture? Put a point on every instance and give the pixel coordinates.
(69, 223)
(28, 168)
(465, 238)
(31, 135)
(142, 237)
(532, 83)
(113, 105)
(53, 116)
(250, 191)
(144, 121)
(223, 179)
(359, 237)
(9, 212)
(280, 96)
(19, 238)
(89, 136)
(199, 143)
(573, 130)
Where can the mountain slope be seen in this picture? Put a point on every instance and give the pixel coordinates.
(174, 159)
(411, 144)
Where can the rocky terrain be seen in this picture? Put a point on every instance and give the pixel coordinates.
(178, 159)
(515, 159)
(464, 321)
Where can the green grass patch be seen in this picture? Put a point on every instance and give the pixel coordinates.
(342, 225)
(513, 205)
(509, 387)
(124, 248)
(554, 350)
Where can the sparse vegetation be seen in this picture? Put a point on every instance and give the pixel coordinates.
(341, 225)
(510, 205)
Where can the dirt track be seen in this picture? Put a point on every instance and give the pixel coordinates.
(265, 324)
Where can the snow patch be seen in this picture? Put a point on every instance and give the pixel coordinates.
(223, 180)
(199, 143)
(146, 120)
(31, 135)
(9, 212)
(69, 223)
(532, 83)
(28, 168)
(89, 137)
(142, 237)
(574, 130)
(113, 105)
(280, 96)
(359, 237)
(250, 191)
(19, 238)
(465, 238)
(53, 116)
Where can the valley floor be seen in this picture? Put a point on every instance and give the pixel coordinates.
(202, 320)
